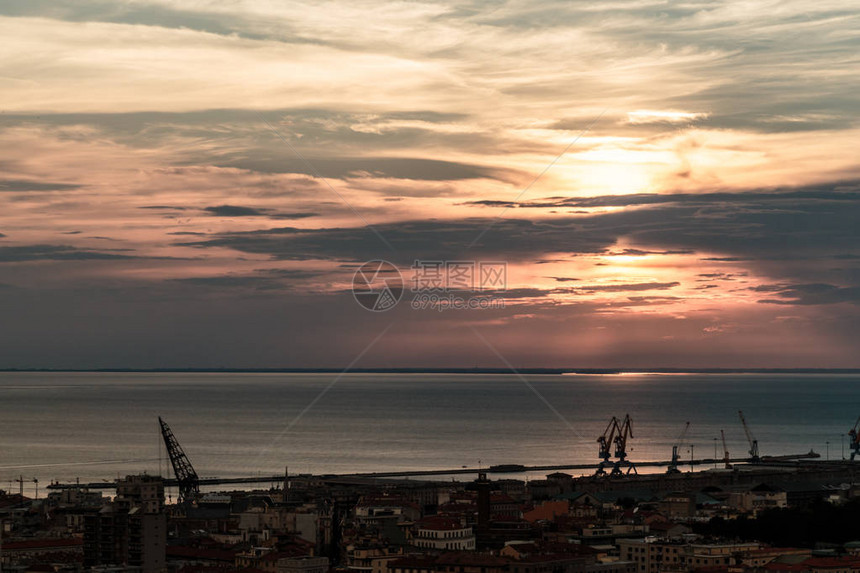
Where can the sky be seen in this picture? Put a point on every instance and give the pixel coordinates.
(194, 183)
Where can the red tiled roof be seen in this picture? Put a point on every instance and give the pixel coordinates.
(286, 552)
(711, 569)
(206, 569)
(662, 525)
(12, 500)
(554, 550)
(771, 551)
(832, 562)
(569, 548)
(35, 544)
(784, 567)
(461, 505)
(412, 562)
(523, 547)
(471, 558)
(550, 557)
(183, 552)
(439, 523)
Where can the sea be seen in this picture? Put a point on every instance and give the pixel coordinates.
(98, 426)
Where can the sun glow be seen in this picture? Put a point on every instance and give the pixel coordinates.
(614, 178)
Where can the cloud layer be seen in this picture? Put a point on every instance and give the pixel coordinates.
(669, 184)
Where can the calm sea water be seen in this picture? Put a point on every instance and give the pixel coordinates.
(62, 426)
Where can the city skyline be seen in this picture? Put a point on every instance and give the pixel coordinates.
(193, 184)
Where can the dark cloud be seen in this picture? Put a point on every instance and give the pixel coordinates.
(26, 253)
(642, 253)
(25, 186)
(810, 294)
(654, 299)
(234, 211)
(327, 140)
(411, 168)
(516, 293)
(259, 280)
(234, 281)
(492, 203)
(846, 193)
(164, 207)
(148, 15)
(291, 273)
(777, 226)
(623, 287)
(54, 253)
(239, 211)
(724, 259)
(712, 277)
(426, 240)
(786, 235)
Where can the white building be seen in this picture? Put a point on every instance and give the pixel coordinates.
(443, 533)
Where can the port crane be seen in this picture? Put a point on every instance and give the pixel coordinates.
(855, 439)
(726, 457)
(753, 442)
(186, 478)
(625, 431)
(605, 443)
(673, 467)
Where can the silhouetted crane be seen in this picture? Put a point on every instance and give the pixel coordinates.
(855, 439)
(625, 431)
(605, 445)
(186, 477)
(754, 457)
(673, 467)
(726, 458)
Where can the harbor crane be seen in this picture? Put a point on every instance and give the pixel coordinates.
(615, 436)
(625, 431)
(605, 443)
(673, 467)
(186, 477)
(753, 442)
(726, 457)
(855, 439)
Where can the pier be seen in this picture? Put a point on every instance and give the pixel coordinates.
(780, 463)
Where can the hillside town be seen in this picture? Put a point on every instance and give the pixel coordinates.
(312, 524)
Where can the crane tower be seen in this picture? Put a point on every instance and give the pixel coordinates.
(186, 477)
(673, 467)
(855, 439)
(753, 442)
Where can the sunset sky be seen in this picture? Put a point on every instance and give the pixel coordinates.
(192, 183)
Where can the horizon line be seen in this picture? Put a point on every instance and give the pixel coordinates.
(450, 370)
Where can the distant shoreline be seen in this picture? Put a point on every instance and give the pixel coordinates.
(548, 371)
